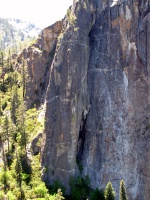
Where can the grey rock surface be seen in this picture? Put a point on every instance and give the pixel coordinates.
(38, 58)
(98, 97)
(35, 144)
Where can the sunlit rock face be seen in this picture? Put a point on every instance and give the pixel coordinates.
(37, 59)
(98, 97)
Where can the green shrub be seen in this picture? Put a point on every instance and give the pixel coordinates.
(41, 190)
(52, 197)
(3, 88)
(15, 193)
(4, 105)
(79, 165)
(60, 37)
(11, 196)
(80, 187)
(59, 195)
(71, 18)
(4, 178)
(26, 167)
(26, 178)
(2, 195)
(9, 158)
(84, 6)
(68, 13)
(97, 195)
(55, 186)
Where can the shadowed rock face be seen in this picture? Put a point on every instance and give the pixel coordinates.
(98, 98)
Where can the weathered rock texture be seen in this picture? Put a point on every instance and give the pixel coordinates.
(98, 98)
(35, 144)
(38, 58)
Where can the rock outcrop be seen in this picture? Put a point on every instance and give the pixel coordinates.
(98, 97)
(35, 144)
(38, 58)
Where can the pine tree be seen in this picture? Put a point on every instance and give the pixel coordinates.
(6, 131)
(2, 143)
(18, 169)
(3, 70)
(21, 118)
(109, 192)
(123, 194)
(24, 78)
(1, 112)
(15, 102)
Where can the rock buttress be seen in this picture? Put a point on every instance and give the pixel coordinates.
(98, 98)
(38, 58)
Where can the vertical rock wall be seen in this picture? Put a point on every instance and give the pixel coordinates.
(38, 58)
(117, 134)
(98, 98)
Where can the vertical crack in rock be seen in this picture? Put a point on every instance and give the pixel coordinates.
(81, 139)
(45, 80)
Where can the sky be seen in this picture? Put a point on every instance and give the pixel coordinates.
(40, 12)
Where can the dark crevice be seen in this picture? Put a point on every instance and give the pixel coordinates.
(144, 8)
(45, 81)
(48, 64)
(81, 139)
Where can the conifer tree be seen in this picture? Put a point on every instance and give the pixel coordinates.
(15, 102)
(59, 195)
(2, 142)
(123, 194)
(3, 151)
(18, 169)
(6, 131)
(21, 117)
(3, 138)
(109, 192)
(24, 78)
(2, 67)
(1, 112)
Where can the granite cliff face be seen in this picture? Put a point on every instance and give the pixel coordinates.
(37, 59)
(98, 97)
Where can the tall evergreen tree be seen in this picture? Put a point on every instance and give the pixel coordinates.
(24, 77)
(109, 192)
(21, 117)
(6, 131)
(123, 194)
(2, 143)
(18, 169)
(15, 101)
(1, 112)
(2, 67)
